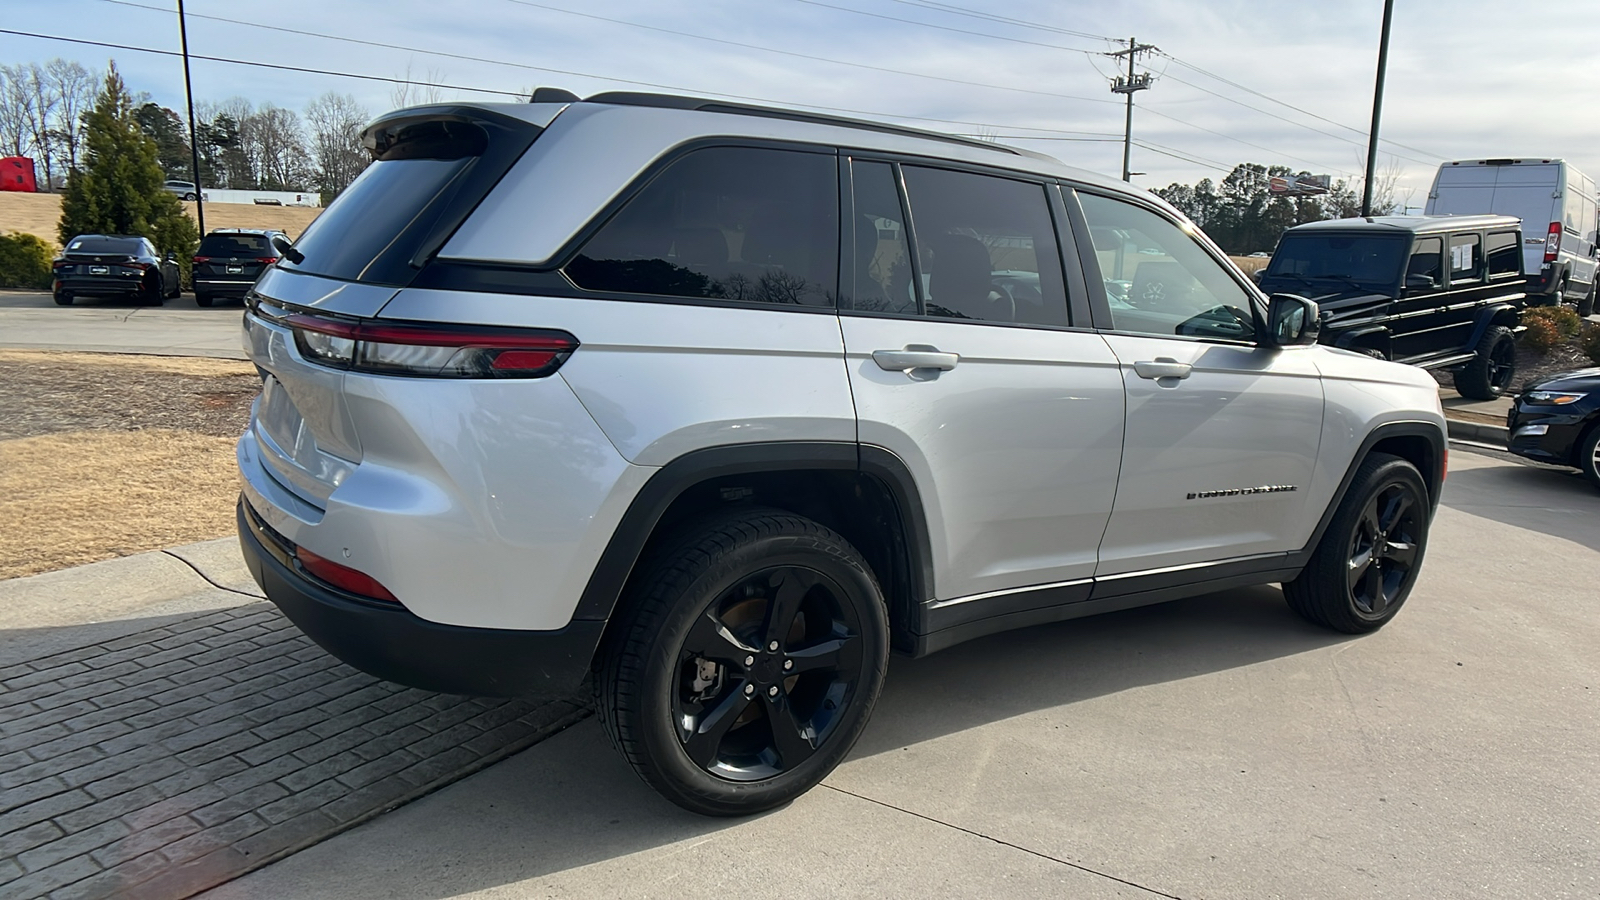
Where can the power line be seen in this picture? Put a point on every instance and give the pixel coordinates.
(839, 62)
(997, 37)
(1240, 140)
(1004, 20)
(1195, 158)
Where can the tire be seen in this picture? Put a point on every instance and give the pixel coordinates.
(1588, 455)
(1387, 497)
(1492, 369)
(1370, 351)
(695, 645)
(190, 196)
(202, 299)
(152, 293)
(62, 298)
(1586, 305)
(177, 289)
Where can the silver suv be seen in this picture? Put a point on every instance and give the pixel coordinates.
(720, 404)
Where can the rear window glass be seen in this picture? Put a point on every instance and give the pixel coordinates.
(352, 233)
(725, 223)
(1366, 260)
(124, 246)
(235, 245)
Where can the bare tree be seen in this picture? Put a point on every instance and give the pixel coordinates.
(16, 111)
(75, 87)
(411, 92)
(334, 122)
(272, 137)
(43, 98)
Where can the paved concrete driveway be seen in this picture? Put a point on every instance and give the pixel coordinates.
(32, 320)
(1215, 747)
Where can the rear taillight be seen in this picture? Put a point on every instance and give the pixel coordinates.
(201, 259)
(1552, 242)
(343, 577)
(266, 260)
(431, 351)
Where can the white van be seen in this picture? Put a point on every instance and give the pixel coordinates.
(1556, 204)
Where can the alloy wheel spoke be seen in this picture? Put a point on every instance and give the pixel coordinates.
(790, 589)
(1360, 565)
(1376, 596)
(1395, 510)
(709, 638)
(790, 738)
(841, 652)
(1402, 553)
(702, 745)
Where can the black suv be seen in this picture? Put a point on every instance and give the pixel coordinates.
(1439, 292)
(113, 265)
(230, 260)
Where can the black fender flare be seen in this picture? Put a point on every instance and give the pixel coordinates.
(638, 523)
(1433, 475)
(1348, 338)
(1505, 314)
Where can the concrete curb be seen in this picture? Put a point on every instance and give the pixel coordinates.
(1477, 431)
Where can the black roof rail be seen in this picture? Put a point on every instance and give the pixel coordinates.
(700, 104)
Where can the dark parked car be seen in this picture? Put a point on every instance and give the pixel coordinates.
(230, 260)
(1439, 292)
(114, 265)
(1558, 421)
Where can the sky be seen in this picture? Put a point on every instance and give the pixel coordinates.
(1284, 82)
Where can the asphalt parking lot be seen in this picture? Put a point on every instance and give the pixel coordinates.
(1215, 747)
(31, 320)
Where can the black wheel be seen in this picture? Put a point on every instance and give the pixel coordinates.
(1368, 559)
(1489, 373)
(1588, 454)
(1586, 305)
(62, 298)
(747, 663)
(202, 299)
(190, 196)
(1370, 351)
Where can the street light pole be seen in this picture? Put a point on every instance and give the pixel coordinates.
(1377, 110)
(194, 137)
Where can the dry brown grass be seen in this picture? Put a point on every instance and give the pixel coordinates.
(104, 455)
(1249, 264)
(38, 214)
(77, 497)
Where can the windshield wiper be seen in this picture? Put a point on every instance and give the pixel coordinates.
(1344, 278)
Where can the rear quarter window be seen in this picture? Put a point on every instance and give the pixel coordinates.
(741, 224)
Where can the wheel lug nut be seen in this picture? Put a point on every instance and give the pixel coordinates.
(788, 664)
(749, 660)
(772, 691)
(749, 689)
(773, 645)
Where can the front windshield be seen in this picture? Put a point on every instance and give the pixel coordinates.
(1354, 259)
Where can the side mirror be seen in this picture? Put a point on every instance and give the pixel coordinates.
(286, 249)
(1420, 282)
(172, 257)
(1292, 321)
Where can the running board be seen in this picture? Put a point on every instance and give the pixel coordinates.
(1441, 363)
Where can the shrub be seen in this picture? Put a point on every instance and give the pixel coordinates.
(1563, 319)
(1590, 342)
(1542, 335)
(24, 262)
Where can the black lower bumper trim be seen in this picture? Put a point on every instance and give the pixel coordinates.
(397, 645)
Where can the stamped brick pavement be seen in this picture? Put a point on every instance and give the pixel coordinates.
(169, 761)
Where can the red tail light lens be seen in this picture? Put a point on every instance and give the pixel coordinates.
(201, 259)
(431, 351)
(266, 260)
(1552, 242)
(343, 577)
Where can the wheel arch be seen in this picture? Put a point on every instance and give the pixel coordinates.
(1505, 314)
(1422, 444)
(864, 493)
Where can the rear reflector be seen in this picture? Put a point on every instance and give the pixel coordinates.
(431, 351)
(343, 577)
(1552, 242)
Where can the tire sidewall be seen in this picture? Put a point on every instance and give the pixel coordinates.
(1395, 471)
(1586, 450)
(660, 671)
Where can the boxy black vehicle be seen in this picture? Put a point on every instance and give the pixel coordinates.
(1438, 292)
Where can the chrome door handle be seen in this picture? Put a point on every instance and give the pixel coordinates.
(915, 356)
(1163, 367)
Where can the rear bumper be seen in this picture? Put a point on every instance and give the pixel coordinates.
(393, 643)
(100, 285)
(224, 287)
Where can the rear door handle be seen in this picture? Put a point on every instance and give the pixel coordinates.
(915, 356)
(1162, 367)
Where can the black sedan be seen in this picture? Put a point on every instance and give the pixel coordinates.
(1558, 421)
(114, 265)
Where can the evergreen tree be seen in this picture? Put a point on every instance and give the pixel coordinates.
(118, 188)
(163, 126)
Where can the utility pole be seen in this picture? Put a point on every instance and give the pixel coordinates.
(1377, 110)
(1129, 86)
(194, 137)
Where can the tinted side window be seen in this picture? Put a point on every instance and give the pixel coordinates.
(1426, 267)
(1159, 280)
(1466, 258)
(725, 223)
(882, 278)
(986, 248)
(1505, 254)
